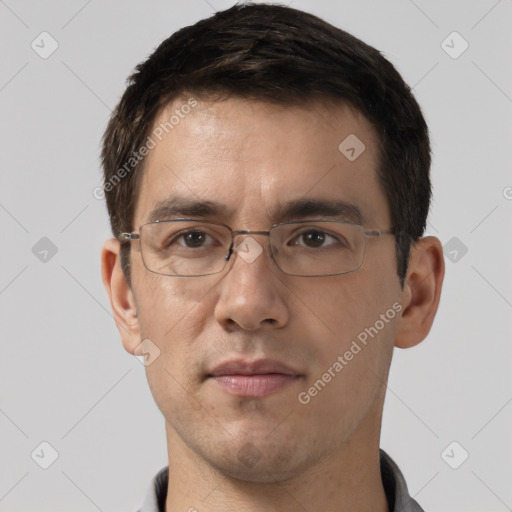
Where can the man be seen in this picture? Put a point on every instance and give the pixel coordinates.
(267, 181)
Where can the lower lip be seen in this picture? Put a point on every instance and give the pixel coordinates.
(254, 386)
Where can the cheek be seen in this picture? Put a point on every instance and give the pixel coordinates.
(352, 363)
(357, 314)
(172, 315)
(170, 305)
(169, 318)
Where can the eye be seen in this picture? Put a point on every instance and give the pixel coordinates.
(315, 238)
(192, 239)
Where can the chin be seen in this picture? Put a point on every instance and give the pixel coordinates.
(263, 473)
(268, 464)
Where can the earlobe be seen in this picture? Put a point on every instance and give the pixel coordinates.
(122, 300)
(421, 293)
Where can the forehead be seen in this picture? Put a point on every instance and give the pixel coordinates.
(252, 160)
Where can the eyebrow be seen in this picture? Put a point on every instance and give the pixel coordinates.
(178, 206)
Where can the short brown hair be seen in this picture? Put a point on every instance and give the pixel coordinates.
(282, 55)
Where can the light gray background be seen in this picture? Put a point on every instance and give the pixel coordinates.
(64, 376)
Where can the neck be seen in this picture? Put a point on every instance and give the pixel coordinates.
(347, 479)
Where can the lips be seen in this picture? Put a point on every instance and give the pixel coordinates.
(259, 367)
(253, 379)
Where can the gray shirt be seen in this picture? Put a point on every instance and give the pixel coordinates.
(394, 485)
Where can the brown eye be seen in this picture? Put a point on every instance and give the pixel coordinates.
(315, 238)
(193, 238)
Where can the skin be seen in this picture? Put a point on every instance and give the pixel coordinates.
(319, 456)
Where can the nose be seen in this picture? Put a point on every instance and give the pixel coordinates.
(251, 293)
(248, 245)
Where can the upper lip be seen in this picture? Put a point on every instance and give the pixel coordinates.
(245, 367)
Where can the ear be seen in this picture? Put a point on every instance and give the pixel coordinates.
(120, 294)
(421, 292)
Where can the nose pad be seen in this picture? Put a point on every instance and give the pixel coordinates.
(230, 252)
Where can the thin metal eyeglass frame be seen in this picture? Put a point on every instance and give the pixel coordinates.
(129, 237)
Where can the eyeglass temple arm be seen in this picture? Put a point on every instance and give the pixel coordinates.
(125, 237)
(381, 232)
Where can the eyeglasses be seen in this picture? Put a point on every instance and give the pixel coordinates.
(308, 248)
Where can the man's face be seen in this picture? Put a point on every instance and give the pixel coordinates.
(251, 157)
